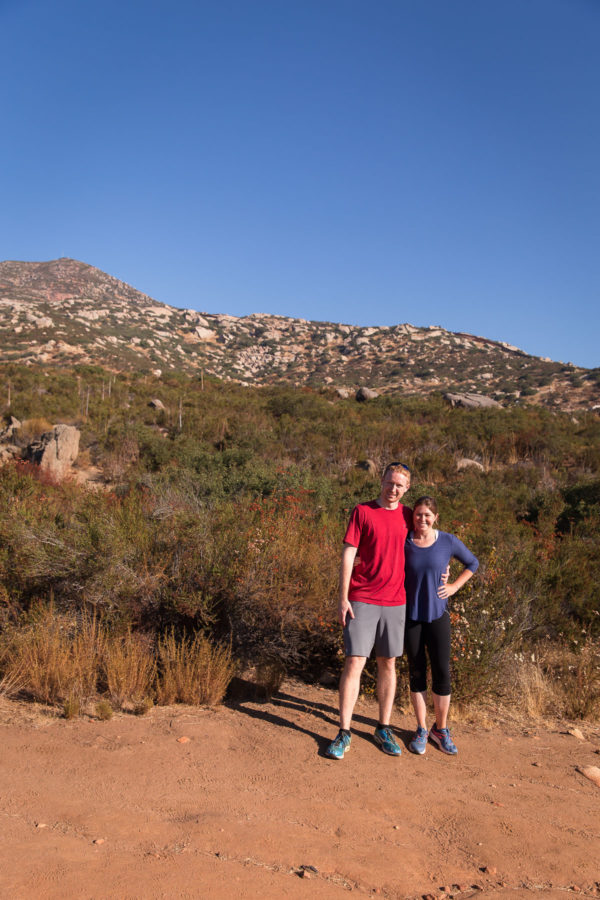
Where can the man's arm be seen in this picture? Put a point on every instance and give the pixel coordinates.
(344, 608)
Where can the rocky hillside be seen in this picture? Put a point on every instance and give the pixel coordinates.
(65, 312)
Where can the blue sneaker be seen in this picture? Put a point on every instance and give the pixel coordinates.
(386, 740)
(441, 737)
(419, 742)
(339, 746)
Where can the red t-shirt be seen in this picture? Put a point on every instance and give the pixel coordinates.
(379, 534)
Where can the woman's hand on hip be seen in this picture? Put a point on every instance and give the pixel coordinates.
(447, 590)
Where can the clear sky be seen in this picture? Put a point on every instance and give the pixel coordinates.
(375, 162)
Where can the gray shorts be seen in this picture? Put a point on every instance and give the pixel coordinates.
(381, 627)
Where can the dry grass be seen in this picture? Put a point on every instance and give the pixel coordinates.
(104, 711)
(58, 660)
(536, 690)
(555, 683)
(577, 680)
(33, 429)
(129, 669)
(11, 683)
(558, 682)
(192, 670)
(54, 658)
(269, 677)
(71, 707)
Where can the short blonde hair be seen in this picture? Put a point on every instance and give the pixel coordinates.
(396, 467)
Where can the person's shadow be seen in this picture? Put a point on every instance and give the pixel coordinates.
(287, 705)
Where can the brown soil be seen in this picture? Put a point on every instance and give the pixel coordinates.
(93, 809)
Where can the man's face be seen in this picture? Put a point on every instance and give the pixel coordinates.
(393, 487)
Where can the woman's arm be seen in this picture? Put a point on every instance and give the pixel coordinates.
(469, 561)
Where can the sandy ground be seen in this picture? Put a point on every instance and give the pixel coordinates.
(124, 809)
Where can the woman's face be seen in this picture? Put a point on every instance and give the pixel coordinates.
(423, 518)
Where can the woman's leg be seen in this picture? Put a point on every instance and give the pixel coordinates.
(441, 704)
(417, 668)
(419, 704)
(438, 647)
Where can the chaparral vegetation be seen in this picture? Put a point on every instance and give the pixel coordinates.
(209, 540)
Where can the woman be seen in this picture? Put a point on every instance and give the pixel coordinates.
(428, 553)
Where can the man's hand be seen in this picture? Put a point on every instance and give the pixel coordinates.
(344, 610)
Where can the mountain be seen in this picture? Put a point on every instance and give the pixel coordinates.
(66, 312)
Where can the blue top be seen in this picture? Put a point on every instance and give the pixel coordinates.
(424, 569)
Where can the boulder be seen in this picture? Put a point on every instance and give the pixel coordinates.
(9, 452)
(56, 450)
(368, 465)
(465, 463)
(155, 403)
(365, 393)
(9, 430)
(205, 334)
(342, 392)
(471, 401)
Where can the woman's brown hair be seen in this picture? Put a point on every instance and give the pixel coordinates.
(429, 502)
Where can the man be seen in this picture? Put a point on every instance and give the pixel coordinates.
(372, 603)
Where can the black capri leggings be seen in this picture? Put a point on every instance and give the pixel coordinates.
(432, 639)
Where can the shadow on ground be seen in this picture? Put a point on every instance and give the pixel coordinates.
(279, 710)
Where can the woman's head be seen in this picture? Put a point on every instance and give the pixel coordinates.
(429, 502)
(425, 513)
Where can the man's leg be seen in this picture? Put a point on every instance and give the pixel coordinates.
(386, 691)
(359, 637)
(386, 687)
(349, 688)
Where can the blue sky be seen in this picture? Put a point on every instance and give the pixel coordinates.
(424, 161)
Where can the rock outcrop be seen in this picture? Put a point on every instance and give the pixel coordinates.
(465, 463)
(365, 393)
(64, 312)
(8, 432)
(368, 465)
(56, 451)
(471, 401)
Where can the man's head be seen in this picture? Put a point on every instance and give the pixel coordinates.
(395, 482)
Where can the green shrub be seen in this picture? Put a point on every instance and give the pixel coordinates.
(229, 523)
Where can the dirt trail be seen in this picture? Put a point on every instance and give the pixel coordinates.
(122, 809)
